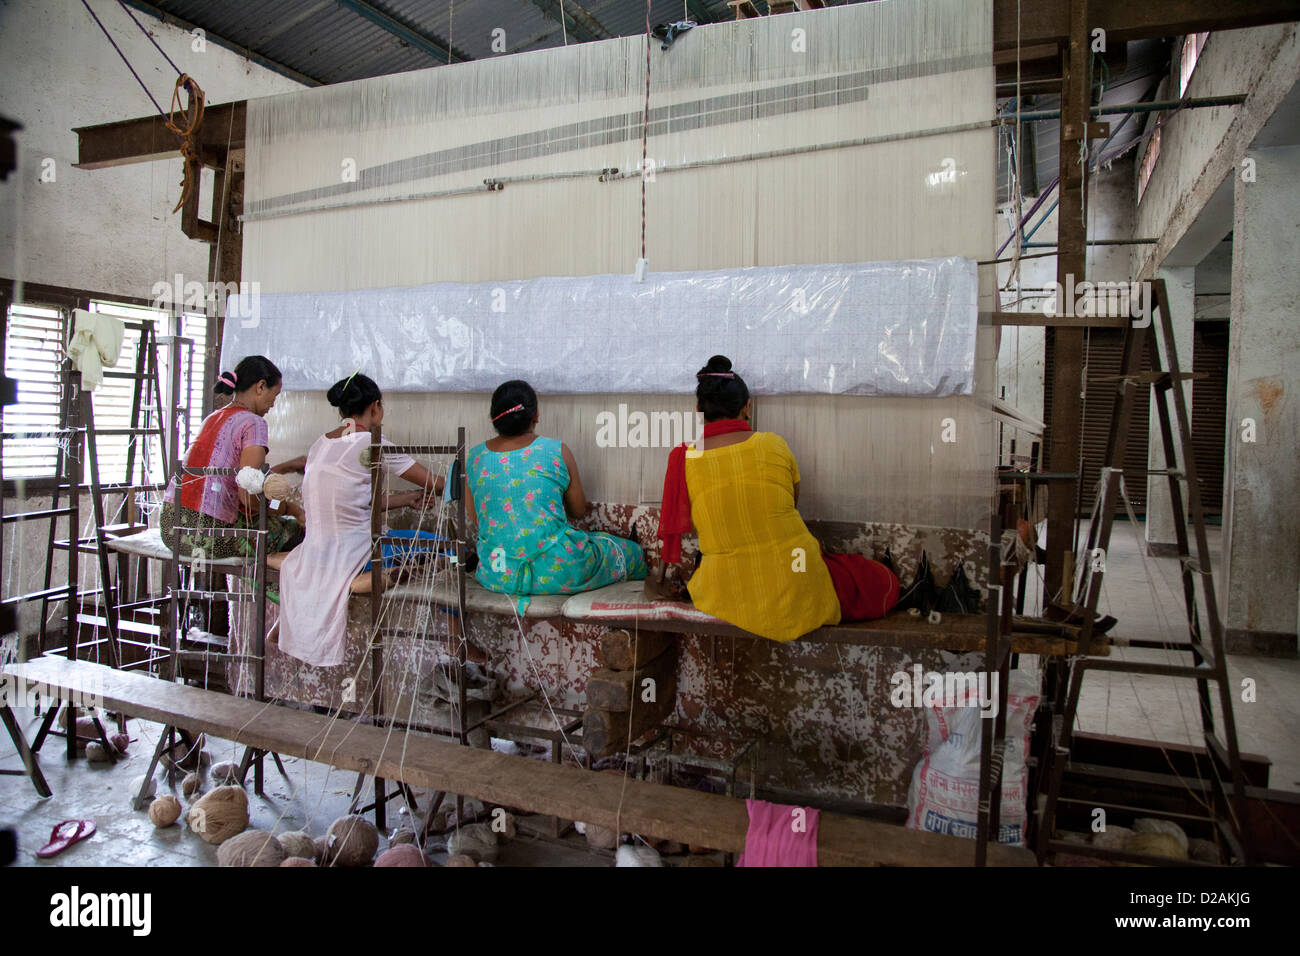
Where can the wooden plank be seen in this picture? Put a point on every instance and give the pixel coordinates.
(1048, 21)
(654, 810)
(622, 650)
(619, 690)
(605, 732)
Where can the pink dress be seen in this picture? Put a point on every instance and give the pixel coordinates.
(316, 576)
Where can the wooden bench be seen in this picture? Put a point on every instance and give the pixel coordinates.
(653, 810)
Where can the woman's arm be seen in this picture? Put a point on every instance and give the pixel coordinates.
(417, 474)
(298, 465)
(576, 504)
(253, 456)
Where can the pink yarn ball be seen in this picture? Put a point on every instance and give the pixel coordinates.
(405, 854)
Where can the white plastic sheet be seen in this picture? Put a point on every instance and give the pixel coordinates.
(897, 329)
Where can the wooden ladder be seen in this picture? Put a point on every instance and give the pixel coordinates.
(1209, 661)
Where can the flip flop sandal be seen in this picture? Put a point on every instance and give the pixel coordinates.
(61, 837)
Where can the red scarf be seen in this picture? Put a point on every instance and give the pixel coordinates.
(675, 512)
(190, 494)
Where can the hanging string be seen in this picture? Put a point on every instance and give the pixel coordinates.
(645, 135)
(124, 59)
(563, 25)
(127, 11)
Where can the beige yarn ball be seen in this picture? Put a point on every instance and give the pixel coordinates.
(165, 811)
(460, 861)
(476, 841)
(191, 786)
(251, 848)
(219, 814)
(297, 861)
(96, 753)
(298, 843)
(1155, 844)
(401, 836)
(225, 774)
(405, 854)
(350, 841)
(1156, 825)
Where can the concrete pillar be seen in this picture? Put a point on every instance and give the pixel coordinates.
(1261, 511)
(1181, 284)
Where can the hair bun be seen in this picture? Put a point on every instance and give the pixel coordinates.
(335, 395)
(718, 363)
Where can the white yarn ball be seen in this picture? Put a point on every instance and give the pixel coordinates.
(250, 479)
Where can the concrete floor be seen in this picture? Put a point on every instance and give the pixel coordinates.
(310, 798)
(1145, 594)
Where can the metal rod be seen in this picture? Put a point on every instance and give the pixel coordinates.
(1191, 103)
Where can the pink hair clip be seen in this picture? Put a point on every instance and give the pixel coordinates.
(514, 408)
(227, 378)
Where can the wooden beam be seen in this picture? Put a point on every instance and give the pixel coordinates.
(1065, 343)
(146, 139)
(622, 650)
(1048, 21)
(652, 810)
(609, 689)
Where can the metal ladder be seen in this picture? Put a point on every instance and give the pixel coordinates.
(1228, 817)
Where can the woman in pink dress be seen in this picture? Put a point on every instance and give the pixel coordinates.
(316, 579)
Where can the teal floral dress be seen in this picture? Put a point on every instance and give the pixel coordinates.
(525, 542)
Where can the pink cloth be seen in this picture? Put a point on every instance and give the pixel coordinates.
(780, 835)
(220, 492)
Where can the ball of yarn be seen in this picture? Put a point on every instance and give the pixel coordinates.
(251, 848)
(406, 854)
(149, 783)
(460, 860)
(250, 479)
(476, 841)
(1112, 838)
(1156, 844)
(629, 855)
(1153, 825)
(120, 742)
(601, 838)
(350, 841)
(96, 753)
(297, 861)
(225, 774)
(401, 836)
(219, 814)
(298, 843)
(86, 727)
(191, 786)
(165, 811)
(282, 488)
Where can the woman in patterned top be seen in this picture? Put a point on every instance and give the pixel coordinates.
(523, 489)
(232, 437)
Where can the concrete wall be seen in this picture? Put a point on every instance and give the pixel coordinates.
(108, 230)
(1200, 147)
(1261, 520)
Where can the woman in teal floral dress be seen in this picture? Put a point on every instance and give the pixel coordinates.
(523, 489)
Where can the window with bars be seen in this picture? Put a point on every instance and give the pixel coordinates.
(113, 399)
(34, 337)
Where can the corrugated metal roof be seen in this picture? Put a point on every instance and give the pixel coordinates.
(333, 41)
